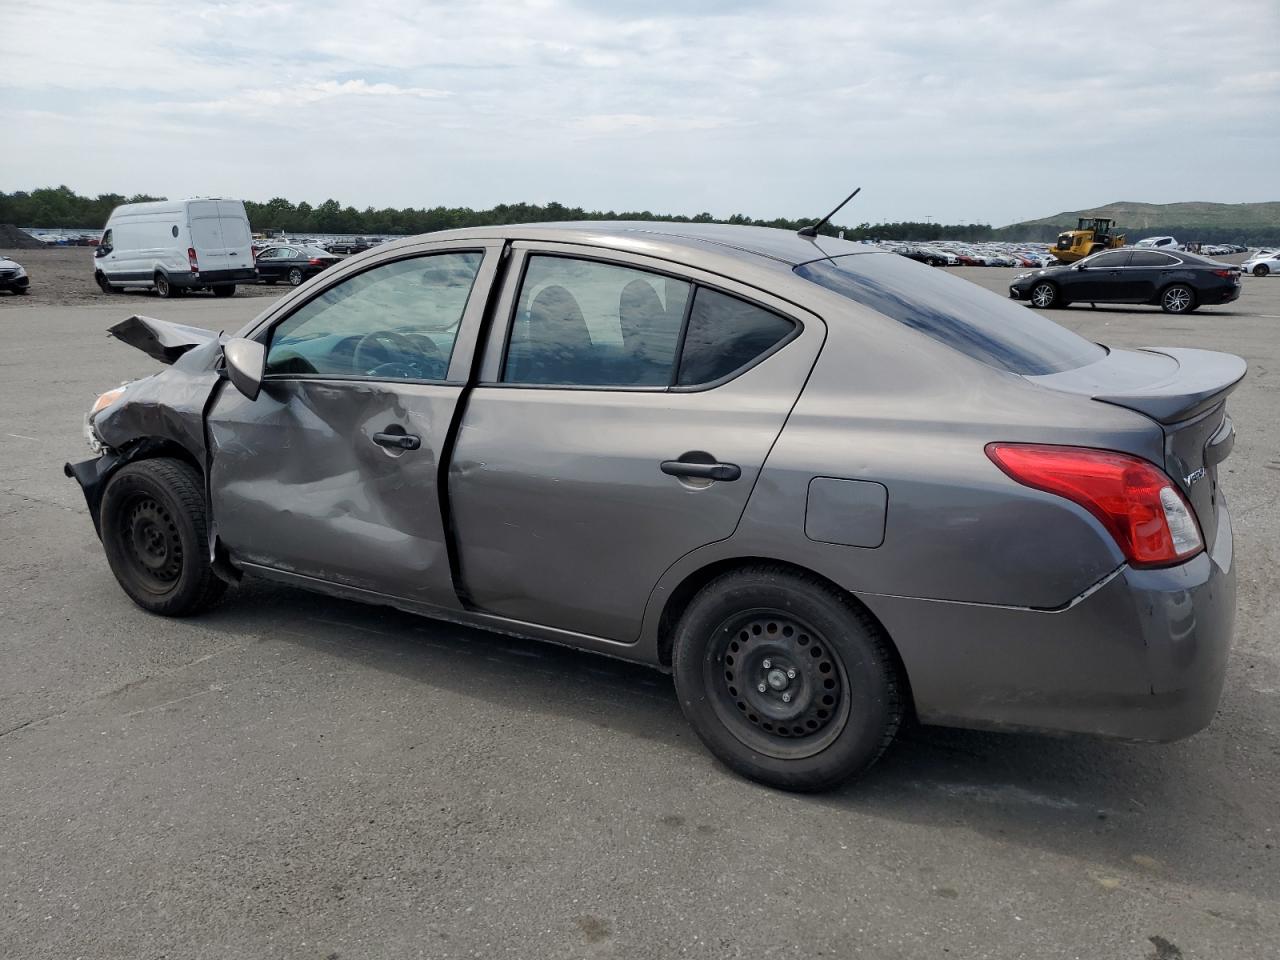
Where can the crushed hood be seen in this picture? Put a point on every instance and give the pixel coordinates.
(160, 339)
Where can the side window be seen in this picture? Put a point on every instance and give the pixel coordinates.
(1148, 258)
(396, 321)
(726, 334)
(1116, 258)
(582, 323)
(105, 242)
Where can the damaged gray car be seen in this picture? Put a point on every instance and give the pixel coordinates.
(826, 487)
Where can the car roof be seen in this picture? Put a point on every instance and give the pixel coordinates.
(677, 241)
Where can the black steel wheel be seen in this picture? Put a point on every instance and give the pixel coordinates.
(155, 535)
(787, 680)
(1178, 298)
(779, 675)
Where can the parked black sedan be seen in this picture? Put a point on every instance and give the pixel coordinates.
(1177, 282)
(12, 277)
(293, 264)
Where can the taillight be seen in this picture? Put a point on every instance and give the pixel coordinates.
(191, 259)
(316, 262)
(1222, 273)
(1133, 498)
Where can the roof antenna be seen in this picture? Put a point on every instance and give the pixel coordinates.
(812, 231)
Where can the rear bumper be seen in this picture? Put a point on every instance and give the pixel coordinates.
(1141, 657)
(1220, 295)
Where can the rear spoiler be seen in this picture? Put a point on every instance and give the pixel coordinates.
(160, 339)
(1200, 379)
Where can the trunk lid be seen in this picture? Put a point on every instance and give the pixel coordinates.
(1185, 392)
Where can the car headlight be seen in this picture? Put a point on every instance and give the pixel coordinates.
(21, 272)
(1021, 276)
(106, 399)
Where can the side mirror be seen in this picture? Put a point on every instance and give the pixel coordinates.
(101, 251)
(246, 362)
(1080, 266)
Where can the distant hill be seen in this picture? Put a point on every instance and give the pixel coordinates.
(1217, 221)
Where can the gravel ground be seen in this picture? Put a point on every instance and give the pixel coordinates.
(289, 776)
(61, 276)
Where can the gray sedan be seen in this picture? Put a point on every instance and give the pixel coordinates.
(826, 487)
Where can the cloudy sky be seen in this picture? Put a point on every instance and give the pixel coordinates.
(993, 112)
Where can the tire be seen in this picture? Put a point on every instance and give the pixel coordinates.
(825, 654)
(1043, 295)
(1261, 270)
(1178, 298)
(295, 277)
(227, 291)
(156, 537)
(163, 287)
(104, 284)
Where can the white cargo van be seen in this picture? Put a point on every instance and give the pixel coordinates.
(175, 246)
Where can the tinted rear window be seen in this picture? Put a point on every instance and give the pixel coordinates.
(955, 312)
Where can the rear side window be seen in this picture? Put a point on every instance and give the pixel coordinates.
(954, 312)
(1116, 258)
(1148, 258)
(589, 324)
(726, 334)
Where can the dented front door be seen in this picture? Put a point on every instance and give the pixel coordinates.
(303, 482)
(331, 472)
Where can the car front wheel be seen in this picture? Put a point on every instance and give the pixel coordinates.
(155, 535)
(1178, 299)
(786, 680)
(1043, 295)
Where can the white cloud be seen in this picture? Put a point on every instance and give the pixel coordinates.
(995, 113)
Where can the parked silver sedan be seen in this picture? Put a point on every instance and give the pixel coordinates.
(826, 487)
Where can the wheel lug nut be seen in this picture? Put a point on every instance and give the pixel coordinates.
(762, 686)
(791, 674)
(786, 698)
(767, 663)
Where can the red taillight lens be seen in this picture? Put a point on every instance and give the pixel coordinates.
(1133, 498)
(191, 259)
(1222, 273)
(315, 262)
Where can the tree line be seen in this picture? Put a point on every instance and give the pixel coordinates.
(56, 207)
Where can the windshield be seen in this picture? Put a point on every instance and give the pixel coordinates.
(955, 312)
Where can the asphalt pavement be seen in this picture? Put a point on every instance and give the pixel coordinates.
(289, 776)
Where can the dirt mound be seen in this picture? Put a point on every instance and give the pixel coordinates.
(11, 238)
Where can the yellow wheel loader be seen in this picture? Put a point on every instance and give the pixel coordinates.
(1091, 235)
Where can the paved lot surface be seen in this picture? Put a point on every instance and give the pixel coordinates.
(290, 776)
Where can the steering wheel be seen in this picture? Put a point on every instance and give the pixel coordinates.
(386, 344)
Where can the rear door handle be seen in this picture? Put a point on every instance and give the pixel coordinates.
(703, 471)
(400, 441)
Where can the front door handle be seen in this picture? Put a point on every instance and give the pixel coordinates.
(399, 441)
(703, 471)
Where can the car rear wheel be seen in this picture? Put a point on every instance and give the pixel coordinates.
(1178, 298)
(227, 291)
(1261, 270)
(785, 679)
(1043, 295)
(163, 287)
(155, 535)
(295, 277)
